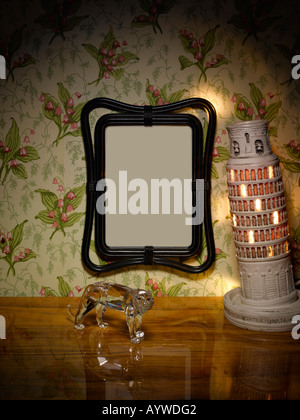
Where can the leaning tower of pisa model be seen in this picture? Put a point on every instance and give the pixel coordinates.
(267, 299)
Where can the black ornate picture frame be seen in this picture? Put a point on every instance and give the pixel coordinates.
(129, 117)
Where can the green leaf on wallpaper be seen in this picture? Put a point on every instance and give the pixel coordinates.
(117, 73)
(93, 248)
(209, 40)
(52, 104)
(241, 107)
(74, 21)
(176, 96)
(75, 133)
(77, 111)
(31, 154)
(290, 165)
(223, 154)
(292, 151)
(108, 40)
(214, 172)
(92, 50)
(127, 55)
(256, 95)
(184, 62)
(144, 21)
(17, 235)
(43, 216)
(63, 94)
(73, 218)
(16, 40)
(63, 287)
(12, 139)
(49, 291)
(49, 199)
(185, 42)
(273, 131)
(174, 290)
(79, 193)
(19, 171)
(272, 111)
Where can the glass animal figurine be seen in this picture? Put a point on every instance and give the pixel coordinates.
(102, 295)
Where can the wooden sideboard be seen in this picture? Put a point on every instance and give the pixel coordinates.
(190, 352)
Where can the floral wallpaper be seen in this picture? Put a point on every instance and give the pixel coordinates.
(61, 53)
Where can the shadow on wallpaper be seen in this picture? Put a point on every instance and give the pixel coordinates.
(61, 53)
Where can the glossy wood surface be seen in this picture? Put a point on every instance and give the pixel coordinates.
(190, 351)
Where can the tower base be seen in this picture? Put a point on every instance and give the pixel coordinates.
(257, 318)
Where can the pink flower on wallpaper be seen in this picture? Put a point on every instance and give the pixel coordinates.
(70, 111)
(64, 217)
(241, 106)
(26, 139)
(71, 195)
(49, 106)
(13, 163)
(262, 102)
(23, 152)
(70, 208)
(74, 126)
(70, 102)
(156, 93)
(42, 98)
(262, 112)
(66, 119)
(215, 152)
(60, 203)
(58, 110)
(6, 249)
